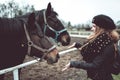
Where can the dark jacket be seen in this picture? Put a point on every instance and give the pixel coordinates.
(98, 57)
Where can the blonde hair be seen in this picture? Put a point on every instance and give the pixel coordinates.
(112, 33)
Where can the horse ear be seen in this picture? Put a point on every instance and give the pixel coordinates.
(31, 21)
(49, 9)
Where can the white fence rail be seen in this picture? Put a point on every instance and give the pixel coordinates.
(82, 34)
(15, 68)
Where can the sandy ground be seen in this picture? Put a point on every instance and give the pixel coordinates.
(43, 71)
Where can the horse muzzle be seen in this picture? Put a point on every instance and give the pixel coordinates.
(52, 60)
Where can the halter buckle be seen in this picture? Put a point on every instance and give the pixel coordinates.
(30, 43)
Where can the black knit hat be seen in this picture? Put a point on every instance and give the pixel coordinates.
(104, 21)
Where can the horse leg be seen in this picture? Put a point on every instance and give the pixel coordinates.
(2, 77)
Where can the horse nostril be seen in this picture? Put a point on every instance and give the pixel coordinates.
(58, 56)
(68, 40)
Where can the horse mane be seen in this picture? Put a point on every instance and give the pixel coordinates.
(39, 12)
(23, 16)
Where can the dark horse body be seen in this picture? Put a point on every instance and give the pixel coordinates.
(14, 42)
(11, 37)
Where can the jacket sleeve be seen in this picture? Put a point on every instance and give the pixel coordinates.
(97, 61)
(78, 45)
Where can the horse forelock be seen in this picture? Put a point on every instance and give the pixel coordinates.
(40, 12)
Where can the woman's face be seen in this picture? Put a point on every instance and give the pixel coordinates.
(94, 28)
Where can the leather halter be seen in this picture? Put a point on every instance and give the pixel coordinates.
(31, 44)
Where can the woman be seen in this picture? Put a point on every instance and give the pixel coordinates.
(99, 50)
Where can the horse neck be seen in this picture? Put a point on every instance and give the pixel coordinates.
(11, 26)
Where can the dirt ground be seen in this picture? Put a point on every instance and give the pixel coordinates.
(43, 71)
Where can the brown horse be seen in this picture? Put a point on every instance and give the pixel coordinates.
(50, 25)
(21, 36)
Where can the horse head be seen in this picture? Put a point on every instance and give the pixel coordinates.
(38, 44)
(52, 26)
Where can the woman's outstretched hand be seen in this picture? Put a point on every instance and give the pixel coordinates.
(75, 44)
(72, 45)
(66, 67)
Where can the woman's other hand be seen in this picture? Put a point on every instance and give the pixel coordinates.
(72, 45)
(66, 67)
(75, 44)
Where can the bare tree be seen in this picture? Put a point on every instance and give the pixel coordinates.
(12, 9)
